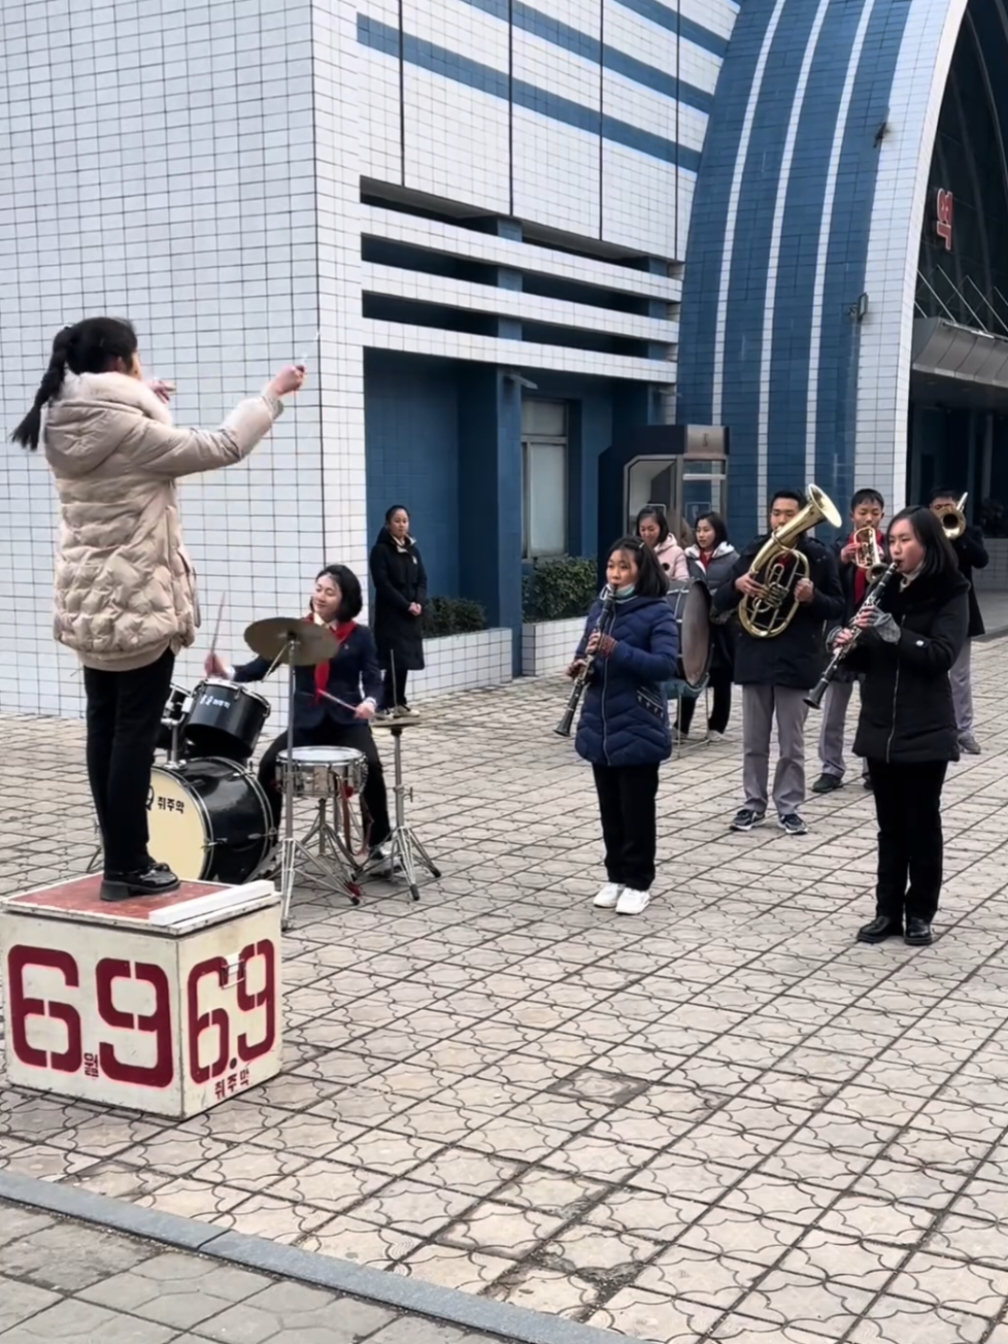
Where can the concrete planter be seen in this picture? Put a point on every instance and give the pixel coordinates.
(462, 663)
(548, 646)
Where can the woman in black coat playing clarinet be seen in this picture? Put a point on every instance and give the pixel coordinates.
(400, 580)
(907, 729)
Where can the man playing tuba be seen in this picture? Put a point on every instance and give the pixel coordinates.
(785, 586)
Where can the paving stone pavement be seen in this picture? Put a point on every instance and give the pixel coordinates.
(723, 1120)
(63, 1280)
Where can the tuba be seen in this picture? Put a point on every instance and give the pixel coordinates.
(778, 567)
(952, 518)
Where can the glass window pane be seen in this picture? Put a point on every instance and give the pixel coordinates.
(547, 498)
(546, 419)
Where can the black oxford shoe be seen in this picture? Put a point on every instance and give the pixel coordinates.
(881, 928)
(918, 933)
(157, 880)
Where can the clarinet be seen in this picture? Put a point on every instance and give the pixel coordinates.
(563, 728)
(871, 601)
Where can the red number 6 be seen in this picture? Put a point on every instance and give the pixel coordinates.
(199, 1022)
(22, 1008)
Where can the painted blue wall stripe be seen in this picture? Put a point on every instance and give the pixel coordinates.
(549, 29)
(687, 29)
(793, 317)
(747, 294)
(836, 418)
(473, 74)
(711, 203)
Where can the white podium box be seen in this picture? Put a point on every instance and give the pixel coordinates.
(164, 1004)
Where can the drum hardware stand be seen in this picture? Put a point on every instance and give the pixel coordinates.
(404, 849)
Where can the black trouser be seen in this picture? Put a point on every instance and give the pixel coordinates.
(358, 737)
(626, 795)
(395, 686)
(908, 808)
(124, 712)
(720, 682)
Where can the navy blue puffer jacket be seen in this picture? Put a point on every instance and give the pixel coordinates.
(624, 718)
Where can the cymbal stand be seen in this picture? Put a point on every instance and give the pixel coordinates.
(404, 849)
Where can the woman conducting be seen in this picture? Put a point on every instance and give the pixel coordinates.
(653, 529)
(400, 580)
(907, 728)
(351, 675)
(710, 561)
(624, 729)
(125, 594)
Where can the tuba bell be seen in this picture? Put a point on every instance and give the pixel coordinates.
(953, 519)
(778, 567)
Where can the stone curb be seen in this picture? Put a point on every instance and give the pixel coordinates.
(517, 1324)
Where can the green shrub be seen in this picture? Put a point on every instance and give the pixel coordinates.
(452, 616)
(555, 590)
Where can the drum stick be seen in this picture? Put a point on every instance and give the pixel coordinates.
(217, 623)
(342, 703)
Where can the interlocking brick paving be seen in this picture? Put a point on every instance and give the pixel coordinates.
(721, 1120)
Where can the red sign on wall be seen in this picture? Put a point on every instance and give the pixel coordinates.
(944, 209)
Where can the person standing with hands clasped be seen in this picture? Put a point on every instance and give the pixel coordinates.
(971, 554)
(400, 581)
(907, 730)
(125, 591)
(776, 674)
(624, 727)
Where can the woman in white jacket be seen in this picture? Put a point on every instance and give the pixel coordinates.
(653, 530)
(125, 598)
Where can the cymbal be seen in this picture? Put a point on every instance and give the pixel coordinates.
(269, 639)
(394, 721)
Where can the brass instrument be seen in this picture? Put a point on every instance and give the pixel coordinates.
(953, 519)
(867, 555)
(778, 567)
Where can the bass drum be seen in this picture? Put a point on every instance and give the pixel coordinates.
(209, 820)
(691, 605)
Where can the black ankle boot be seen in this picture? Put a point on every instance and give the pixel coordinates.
(880, 928)
(155, 880)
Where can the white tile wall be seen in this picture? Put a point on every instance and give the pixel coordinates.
(462, 663)
(548, 646)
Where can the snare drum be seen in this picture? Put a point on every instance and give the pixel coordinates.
(209, 820)
(323, 772)
(225, 720)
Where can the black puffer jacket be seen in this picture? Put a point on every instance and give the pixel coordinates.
(796, 657)
(906, 700)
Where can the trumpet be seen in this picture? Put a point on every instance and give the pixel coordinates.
(867, 555)
(605, 620)
(778, 567)
(953, 519)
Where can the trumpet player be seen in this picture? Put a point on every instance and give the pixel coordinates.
(971, 554)
(776, 673)
(855, 556)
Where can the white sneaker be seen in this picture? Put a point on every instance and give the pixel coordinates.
(632, 902)
(608, 896)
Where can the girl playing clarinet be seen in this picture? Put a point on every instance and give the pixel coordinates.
(624, 726)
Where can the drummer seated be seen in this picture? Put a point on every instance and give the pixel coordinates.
(351, 675)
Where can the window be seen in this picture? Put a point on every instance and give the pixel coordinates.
(544, 478)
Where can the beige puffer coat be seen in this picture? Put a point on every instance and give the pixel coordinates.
(125, 587)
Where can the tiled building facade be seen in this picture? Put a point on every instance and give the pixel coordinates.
(492, 213)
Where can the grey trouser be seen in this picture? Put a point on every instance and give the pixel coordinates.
(831, 735)
(759, 705)
(962, 693)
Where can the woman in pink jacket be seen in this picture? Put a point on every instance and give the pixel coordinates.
(125, 591)
(653, 530)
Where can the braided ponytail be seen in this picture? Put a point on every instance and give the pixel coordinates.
(90, 346)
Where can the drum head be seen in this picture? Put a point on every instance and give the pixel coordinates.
(325, 755)
(175, 821)
(695, 633)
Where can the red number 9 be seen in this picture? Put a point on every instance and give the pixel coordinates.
(162, 1071)
(265, 998)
